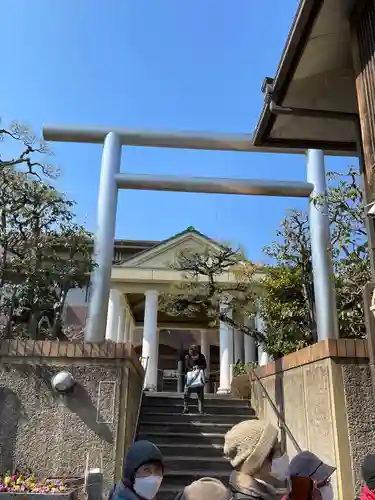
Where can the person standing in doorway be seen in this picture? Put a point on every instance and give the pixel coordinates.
(195, 365)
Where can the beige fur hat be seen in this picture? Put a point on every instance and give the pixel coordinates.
(206, 488)
(248, 444)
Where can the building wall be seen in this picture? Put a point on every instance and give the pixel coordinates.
(360, 414)
(304, 397)
(324, 395)
(52, 434)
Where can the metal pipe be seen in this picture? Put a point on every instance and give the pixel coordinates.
(325, 299)
(104, 240)
(166, 139)
(147, 138)
(213, 185)
(311, 113)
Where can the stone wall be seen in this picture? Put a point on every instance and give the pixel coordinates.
(53, 434)
(360, 408)
(325, 396)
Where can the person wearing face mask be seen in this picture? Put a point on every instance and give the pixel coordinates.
(306, 464)
(142, 473)
(259, 466)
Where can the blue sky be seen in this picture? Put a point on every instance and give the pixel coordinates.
(154, 64)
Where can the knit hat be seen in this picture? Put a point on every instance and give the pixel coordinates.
(368, 471)
(207, 488)
(249, 443)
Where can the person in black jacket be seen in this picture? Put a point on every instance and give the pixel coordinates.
(194, 360)
(142, 475)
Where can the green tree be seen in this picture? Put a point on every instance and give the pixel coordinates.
(291, 254)
(283, 309)
(287, 303)
(44, 253)
(286, 297)
(203, 292)
(27, 161)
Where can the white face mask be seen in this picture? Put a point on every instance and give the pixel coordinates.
(147, 487)
(279, 467)
(326, 492)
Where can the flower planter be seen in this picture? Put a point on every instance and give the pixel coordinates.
(19, 486)
(65, 495)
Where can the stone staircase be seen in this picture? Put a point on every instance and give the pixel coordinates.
(192, 444)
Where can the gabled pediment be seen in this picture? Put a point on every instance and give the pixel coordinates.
(165, 254)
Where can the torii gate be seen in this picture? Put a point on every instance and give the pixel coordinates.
(111, 180)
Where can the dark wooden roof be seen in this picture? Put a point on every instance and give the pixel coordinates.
(315, 72)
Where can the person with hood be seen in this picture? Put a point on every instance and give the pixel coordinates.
(142, 473)
(368, 475)
(306, 464)
(205, 488)
(259, 466)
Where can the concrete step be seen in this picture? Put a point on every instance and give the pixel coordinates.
(180, 479)
(168, 493)
(206, 418)
(190, 450)
(194, 427)
(175, 406)
(197, 463)
(172, 398)
(178, 438)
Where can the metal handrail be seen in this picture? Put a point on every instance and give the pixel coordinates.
(140, 398)
(281, 421)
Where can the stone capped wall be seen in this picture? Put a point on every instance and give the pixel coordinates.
(53, 434)
(324, 395)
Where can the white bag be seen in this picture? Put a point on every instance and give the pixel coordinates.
(195, 379)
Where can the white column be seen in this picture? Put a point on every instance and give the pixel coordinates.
(131, 332)
(226, 356)
(127, 326)
(157, 356)
(121, 325)
(250, 345)
(238, 346)
(113, 316)
(150, 339)
(321, 250)
(205, 348)
(262, 355)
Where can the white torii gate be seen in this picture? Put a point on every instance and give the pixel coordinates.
(111, 180)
